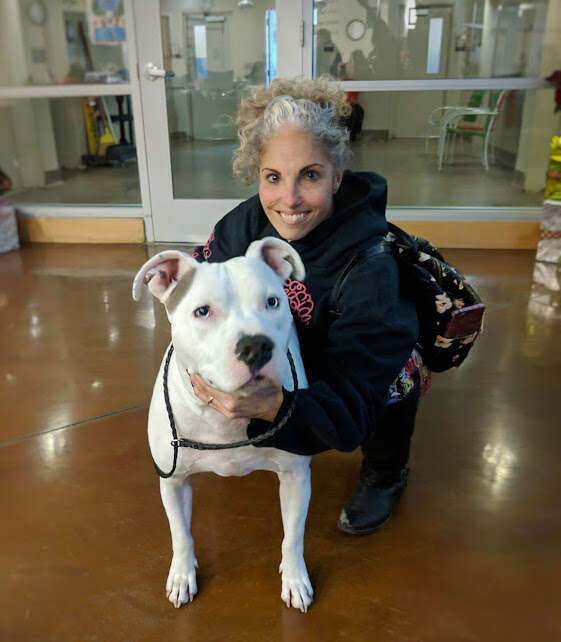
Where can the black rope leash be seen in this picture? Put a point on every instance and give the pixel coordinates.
(181, 442)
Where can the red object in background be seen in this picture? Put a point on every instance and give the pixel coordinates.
(352, 96)
(555, 79)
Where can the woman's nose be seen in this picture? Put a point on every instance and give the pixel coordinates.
(292, 196)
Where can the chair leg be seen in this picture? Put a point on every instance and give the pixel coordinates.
(452, 148)
(492, 157)
(486, 152)
(441, 146)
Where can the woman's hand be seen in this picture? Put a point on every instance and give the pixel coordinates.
(264, 403)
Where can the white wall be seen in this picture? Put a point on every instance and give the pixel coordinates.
(29, 151)
(13, 68)
(539, 122)
(12, 72)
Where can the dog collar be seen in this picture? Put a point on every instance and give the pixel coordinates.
(180, 442)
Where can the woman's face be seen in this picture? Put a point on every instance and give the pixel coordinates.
(297, 182)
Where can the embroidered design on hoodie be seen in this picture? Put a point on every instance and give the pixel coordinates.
(405, 382)
(207, 251)
(299, 299)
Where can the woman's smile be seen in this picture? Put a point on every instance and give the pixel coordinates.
(293, 218)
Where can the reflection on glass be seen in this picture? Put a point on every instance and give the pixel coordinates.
(62, 42)
(406, 146)
(487, 127)
(218, 57)
(70, 150)
(411, 40)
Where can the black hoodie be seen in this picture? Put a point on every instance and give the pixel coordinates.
(352, 361)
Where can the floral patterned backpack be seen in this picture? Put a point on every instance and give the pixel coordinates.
(450, 311)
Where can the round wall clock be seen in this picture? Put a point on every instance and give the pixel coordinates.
(36, 12)
(355, 29)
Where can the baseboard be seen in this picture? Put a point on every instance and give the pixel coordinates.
(53, 176)
(51, 229)
(374, 135)
(503, 235)
(504, 158)
(491, 235)
(179, 137)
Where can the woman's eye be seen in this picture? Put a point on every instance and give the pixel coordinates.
(312, 175)
(273, 178)
(273, 302)
(203, 312)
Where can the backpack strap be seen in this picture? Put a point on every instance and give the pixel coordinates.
(383, 247)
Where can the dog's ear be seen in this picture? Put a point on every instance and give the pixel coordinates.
(162, 272)
(279, 256)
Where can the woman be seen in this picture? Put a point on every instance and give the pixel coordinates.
(292, 142)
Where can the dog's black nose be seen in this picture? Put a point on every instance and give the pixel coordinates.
(255, 351)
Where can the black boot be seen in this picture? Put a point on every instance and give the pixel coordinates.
(371, 506)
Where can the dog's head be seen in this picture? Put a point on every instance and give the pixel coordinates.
(230, 322)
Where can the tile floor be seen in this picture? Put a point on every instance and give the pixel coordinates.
(472, 554)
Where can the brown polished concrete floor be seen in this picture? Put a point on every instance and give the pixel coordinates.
(473, 552)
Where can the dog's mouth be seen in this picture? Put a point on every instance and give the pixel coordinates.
(251, 384)
(253, 381)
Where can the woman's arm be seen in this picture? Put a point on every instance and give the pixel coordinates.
(368, 346)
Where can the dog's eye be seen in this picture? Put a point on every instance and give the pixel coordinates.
(203, 312)
(273, 302)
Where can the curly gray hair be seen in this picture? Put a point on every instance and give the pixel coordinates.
(311, 105)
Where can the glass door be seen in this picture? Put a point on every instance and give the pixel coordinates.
(195, 68)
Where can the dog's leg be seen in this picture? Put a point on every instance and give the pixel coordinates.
(295, 496)
(181, 585)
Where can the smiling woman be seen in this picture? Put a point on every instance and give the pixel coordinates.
(294, 141)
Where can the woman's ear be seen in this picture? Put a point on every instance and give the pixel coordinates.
(337, 179)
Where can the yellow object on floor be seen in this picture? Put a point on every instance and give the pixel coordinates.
(90, 125)
(98, 133)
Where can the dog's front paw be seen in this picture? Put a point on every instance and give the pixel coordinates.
(181, 586)
(297, 589)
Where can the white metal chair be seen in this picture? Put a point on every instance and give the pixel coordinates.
(454, 121)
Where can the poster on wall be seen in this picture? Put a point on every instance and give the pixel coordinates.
(107, 22)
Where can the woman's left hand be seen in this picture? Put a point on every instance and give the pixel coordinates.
(264, 403)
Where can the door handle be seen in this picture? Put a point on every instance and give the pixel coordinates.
(152, 72)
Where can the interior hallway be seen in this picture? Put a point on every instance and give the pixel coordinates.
(204, 170)
(472, 553)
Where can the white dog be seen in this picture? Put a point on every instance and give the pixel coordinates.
(232, 325)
